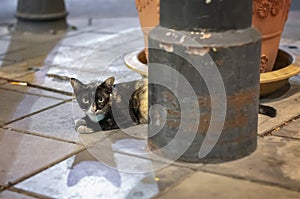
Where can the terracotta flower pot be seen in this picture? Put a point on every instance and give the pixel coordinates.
(269, 17)
(148, 11)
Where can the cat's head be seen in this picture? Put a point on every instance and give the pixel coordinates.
(94, 98)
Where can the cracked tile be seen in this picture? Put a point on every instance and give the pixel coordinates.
(19, 157)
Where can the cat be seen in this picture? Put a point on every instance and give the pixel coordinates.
(108, 106)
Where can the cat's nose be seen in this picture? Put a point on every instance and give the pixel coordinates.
(94, 108)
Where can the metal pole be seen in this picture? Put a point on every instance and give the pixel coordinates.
(211, 45)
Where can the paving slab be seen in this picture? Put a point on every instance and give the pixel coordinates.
(4, 62)
(292, 46)
(86, 39)
(114, 25)
(102, 25)
(4, 29)
(205, 185)
(57, 122)
(9, 194)
(7, 46)
(274, 162)
(292, 26)
(20, 158)
(56, 78)
(99, 56)
(14, 70)
(131, 38)
(2, 81)
(170, 176)
(15, 105)
(133, 141)
(99, 60)
(291, 130)
(32, 52)
(101, 8)
(66, 56)
(101, 64)
(37, 39)
(14, 86)
(82, 176)
(287, 107)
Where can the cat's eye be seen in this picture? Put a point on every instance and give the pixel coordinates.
(85, 100)
(101, 100)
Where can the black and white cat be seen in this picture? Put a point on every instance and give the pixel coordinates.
(108, 106)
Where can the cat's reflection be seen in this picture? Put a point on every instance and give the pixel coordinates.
(86, 165)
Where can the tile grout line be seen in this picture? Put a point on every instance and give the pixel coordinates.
(36, 112)
(42, 136)
(277, 128)
(32, 93)
(28, 193)
(38, 86)
(286, 137)
(41, 169)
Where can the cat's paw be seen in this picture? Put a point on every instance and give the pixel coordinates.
(84, 130)
(81, 127)
(80, 122)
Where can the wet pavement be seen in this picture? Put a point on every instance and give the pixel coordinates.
(42, 156)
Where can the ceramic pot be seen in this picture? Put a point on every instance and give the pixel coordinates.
(148, 11)
(269, 17)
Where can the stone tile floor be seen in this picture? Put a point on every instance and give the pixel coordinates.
(42, 156)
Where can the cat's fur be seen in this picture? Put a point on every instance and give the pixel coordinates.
(108, 106)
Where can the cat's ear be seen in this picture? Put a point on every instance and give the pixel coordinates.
(109, 82)
(76, 84)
